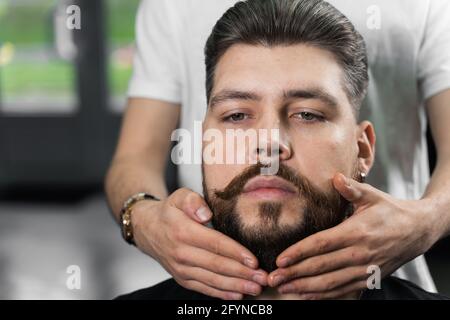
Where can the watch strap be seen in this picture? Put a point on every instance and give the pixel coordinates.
(126, 212)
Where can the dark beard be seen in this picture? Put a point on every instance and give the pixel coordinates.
(267, 240)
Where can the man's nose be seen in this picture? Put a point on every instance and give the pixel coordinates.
(273, 144)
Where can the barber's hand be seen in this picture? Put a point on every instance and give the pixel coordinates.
(199, 258)
(383, 231)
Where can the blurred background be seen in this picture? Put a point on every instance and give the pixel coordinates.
(62, 93)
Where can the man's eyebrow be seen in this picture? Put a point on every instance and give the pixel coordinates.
(309, 93)
(226, 95)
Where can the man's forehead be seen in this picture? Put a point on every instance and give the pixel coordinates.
(241, 59)
(252, 72)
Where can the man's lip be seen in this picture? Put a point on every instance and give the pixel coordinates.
(264, 182)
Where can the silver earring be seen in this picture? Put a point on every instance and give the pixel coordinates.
(362, 176)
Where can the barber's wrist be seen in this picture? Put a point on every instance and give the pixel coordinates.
(127, 214)
(143, 214)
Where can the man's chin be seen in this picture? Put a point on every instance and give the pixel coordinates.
(268, 240)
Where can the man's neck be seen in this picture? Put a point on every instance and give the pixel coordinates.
(272, 294)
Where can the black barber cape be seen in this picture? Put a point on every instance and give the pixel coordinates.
(392, 288)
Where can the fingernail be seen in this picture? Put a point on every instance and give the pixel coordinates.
(203, 214)
(277, 280)
(252, 289)
(259, 277)
(285, 262)
(249, 262)
(287, 288)
(234, 296)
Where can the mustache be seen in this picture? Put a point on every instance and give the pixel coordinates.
(237, 184)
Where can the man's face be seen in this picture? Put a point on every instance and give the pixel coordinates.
(298, 91)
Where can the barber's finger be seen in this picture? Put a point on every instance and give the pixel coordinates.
(357, 193)
(224, 283)
(192, 204)
(220, 244)
(325, 282)
(355, 287)
(210, 291)
(320, 264)
(319, 243)
(223, 265)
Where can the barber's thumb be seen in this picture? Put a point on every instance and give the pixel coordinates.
(349, 188)
(203, 214)
(195, 207)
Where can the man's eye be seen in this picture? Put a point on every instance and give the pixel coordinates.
(308, 116)
(236, 117)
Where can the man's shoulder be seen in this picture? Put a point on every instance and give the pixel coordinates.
(166, 290)
(393, 288)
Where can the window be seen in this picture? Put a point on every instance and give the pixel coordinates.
(36, 50)
(120, 17)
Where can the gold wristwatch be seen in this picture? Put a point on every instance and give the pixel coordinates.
(126, 212)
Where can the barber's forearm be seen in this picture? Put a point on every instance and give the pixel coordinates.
(129, 176)
(438, 195)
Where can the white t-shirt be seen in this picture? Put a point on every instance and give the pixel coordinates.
(409, 61)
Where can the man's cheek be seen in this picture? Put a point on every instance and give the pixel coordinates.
(336, 153)
(212, 176)
(320, 167)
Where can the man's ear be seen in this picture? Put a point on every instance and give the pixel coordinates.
(366, 146)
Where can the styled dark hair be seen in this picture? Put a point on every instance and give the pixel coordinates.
(288, 22)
